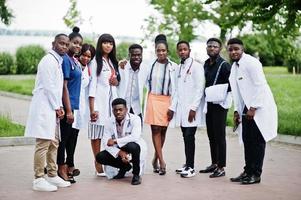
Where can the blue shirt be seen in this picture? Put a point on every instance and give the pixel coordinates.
(72, 72)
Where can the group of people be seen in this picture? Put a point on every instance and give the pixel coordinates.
(78, 86)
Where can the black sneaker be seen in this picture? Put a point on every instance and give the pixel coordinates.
(136, 180)
(218, 173)
(251, 180)
(209, 169)
(122, 172)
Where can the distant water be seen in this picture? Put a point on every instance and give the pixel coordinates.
(11, 43)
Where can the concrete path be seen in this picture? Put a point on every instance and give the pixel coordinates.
(281, 177)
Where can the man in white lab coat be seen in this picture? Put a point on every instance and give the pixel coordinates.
(44, 114)
(186, 103)
(255, 111)
(133, 77)
(122, 142)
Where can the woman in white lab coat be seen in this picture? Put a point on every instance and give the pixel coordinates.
(102, 90)
(161, 80)
(82, 116)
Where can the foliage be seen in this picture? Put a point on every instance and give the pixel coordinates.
(73, 16)
(183, 16)
(172, 51)
(6, 62)
(5, 13)
(180, 18)
(271, 49)
(122, 50)
(9, 129)
(28, 57)
(268, 16)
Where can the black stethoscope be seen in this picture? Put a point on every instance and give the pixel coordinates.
(187, 72)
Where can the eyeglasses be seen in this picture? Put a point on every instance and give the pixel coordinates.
(212, 46)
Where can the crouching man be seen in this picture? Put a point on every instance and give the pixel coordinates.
(122, 142)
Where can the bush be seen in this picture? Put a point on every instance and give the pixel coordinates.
(28, 58)
(122, 50)
(6, 63)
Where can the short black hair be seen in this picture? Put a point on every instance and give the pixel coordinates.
(135, 46)
(183, 42)
(214, 40)
(235, 41)
(60, 35)
(118, 101)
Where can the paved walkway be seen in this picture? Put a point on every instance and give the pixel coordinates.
(281, 177)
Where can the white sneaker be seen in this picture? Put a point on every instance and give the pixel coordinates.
(102, 174)
(40, 184)
(58, 181)
(180, 170)
(187, 173)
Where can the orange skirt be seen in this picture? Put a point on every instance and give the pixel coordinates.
(156, 109)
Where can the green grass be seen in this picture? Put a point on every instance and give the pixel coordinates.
(275, 70)
(17, 86)
(9, 129)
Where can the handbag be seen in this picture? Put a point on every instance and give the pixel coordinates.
(217, 92)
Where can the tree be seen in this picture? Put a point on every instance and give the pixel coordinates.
(184, 16)
(5, 13)
(73, 16)
(282, 17)
(178, 18)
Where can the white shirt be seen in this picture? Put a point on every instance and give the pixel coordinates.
(132, 93)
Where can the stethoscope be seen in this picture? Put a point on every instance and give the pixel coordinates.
(128, 126)
(187, 72)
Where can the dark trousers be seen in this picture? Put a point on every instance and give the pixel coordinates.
(216, 129)
(254, 145)
(133, 148)
(189, 145)
(68, 143)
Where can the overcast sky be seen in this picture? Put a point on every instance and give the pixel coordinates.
(118, 17)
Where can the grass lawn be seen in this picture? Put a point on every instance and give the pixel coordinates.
(286, 89)
(17, 85)
(9, 129)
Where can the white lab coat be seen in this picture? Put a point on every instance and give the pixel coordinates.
(102, 91)
(189, 90)
(82, 115)
(47, 97)
(124, 83)
(172, 71)
(132, 131)
(250, 89)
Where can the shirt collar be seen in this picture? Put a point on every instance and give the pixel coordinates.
(241, 59)
(57, 56)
